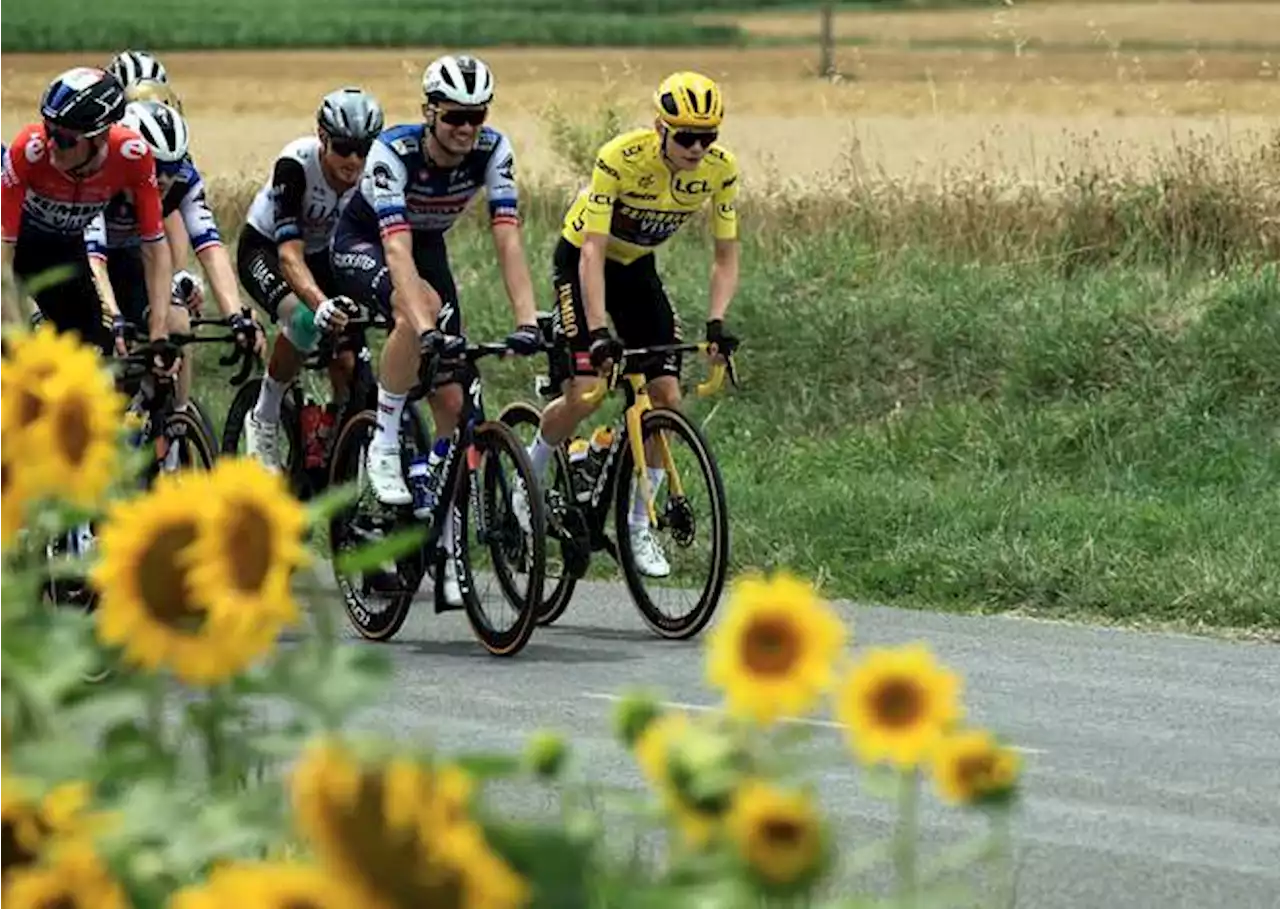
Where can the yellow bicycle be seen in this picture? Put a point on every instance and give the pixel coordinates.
(681, 499)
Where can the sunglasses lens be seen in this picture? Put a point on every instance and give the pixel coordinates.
(348, 147)
(62, 138)
(689, 140)
(461, 117)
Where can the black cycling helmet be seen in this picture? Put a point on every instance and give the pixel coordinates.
(83, 100)
(351, 114)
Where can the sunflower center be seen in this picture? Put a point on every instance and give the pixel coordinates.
(771, 646)
(58, 901)
(976, 770)
(15, 854)
(249, 542)
(73, 430)
(162, 580)
(300, 902)
(897, 702)
(783, 833)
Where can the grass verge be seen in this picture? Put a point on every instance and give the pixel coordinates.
(1061, 400)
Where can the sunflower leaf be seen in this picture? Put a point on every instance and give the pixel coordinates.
(391, 547)
(487, 766)
(331, 501)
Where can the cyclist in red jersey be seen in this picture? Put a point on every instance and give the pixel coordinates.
(60, 174)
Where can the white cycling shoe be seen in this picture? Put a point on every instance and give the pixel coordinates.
(262, 442)
(650, 560)
(449, 583)
(386, 476)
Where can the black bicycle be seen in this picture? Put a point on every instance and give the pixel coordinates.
(585, 482)
(476, 487)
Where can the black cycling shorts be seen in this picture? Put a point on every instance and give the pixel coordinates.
(635, 301)
(72, 305)
(258, 267)
(361, 269)
(129, 284)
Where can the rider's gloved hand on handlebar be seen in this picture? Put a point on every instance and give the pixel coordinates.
(245, 329)
(526, 340)
(604, 347)
(165, 357)
(725, 343)
(187, 290)
(332, 314)
(436, 342)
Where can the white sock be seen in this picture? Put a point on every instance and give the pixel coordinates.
(270, 394)
(540, 455)
(446, 533)
(390, 409)
(639, 516)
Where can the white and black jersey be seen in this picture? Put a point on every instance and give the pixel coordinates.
(298, 202)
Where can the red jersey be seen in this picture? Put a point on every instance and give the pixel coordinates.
(41, 196)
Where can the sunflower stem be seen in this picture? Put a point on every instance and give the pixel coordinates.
(1002, 847)
(905, 836)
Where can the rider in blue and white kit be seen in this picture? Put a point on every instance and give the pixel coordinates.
(389, 250)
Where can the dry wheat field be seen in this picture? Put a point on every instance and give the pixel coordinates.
(1015, 91)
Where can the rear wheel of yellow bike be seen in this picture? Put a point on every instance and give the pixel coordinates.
(675, 567)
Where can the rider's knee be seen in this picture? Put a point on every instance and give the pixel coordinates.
(179, 319)
(664, 391)
(447, 398)
(575, 395)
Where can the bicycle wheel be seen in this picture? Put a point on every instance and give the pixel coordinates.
(514, 544)
(566, 522)
(184, 430)
(701, 493)
(210, 431)
(377, 601)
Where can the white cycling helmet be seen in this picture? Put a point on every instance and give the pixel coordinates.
(462, 79)
(136, 66)
(161, 126)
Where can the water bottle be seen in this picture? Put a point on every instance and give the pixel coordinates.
(578, 452)
(424, 478)
(589, 471)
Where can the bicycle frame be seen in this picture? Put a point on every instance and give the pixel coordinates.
(630, 424)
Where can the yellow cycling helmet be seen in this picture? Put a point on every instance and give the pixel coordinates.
(153, 90)
(689, 100)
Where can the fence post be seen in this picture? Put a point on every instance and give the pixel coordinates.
(827, 40)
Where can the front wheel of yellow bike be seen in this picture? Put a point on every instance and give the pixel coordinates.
(674, 556)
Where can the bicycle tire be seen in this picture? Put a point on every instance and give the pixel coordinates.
(553, 605)
(210, 431)
(194, 433)
(493, 436)
(344, 465)
(658, 419)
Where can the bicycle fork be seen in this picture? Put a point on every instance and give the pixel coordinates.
(635, 421)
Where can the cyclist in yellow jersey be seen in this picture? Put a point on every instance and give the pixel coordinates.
(645, 185)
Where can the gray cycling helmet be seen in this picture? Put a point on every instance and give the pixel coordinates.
(350, 113)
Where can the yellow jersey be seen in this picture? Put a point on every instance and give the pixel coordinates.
(640, 202)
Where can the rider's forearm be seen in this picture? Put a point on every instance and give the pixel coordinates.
(724, 282)
(515, 274)
(591, 277)
(175, 229)
(11, 287)
(158, 268)
(294, 269)
(102, 281)
(222, 278)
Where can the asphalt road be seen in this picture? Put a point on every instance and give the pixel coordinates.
(1153, 760)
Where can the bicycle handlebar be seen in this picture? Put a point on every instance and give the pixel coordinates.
(714, 382)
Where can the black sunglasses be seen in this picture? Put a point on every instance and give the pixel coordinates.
(345, 148)
(472, 116)
(687, 139)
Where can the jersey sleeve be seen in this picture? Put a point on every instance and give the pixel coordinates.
(197, 217)
(500, 184)
(383, 186)
(146, 195)
(724, 214)
(601, 194)
(13, 183)
(95, 237)
(288, 192)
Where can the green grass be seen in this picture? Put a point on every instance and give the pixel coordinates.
(72, 25)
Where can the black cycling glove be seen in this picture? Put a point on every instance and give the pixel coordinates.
(604, 347)
(725, 343)
(526, 340)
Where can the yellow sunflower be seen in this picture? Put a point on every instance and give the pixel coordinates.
(488, 882)
(778, 835)
(249, 542)
(31, 824)
(76, 435)
(31, 360)
(971, 767)
(773, 654)
(15, 499)
(266, 885)
(653, 753)
(896, 703)
(75, 879)
(148, 604)
(384, 857)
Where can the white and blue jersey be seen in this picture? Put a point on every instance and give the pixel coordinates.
(116, 226)
(402, 190)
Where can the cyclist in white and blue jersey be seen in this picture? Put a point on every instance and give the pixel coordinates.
(389, 250)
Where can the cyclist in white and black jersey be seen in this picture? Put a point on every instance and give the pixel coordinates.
(389, 249)
(284, 251)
